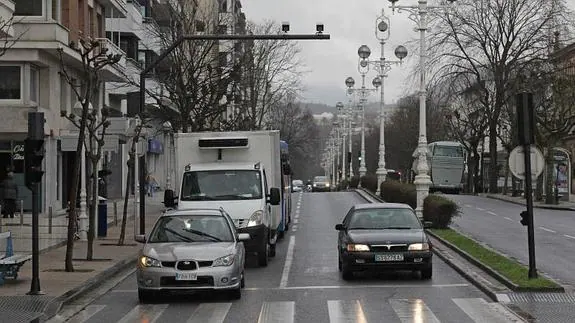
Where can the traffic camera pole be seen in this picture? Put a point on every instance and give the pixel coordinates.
(285, 36)
(526, 125)
(34, 153)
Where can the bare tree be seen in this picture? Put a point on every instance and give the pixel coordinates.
(85, 87)
(6, 41)
(492, 41)
(271, 73)
(194, 75)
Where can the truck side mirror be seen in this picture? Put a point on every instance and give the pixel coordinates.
(275, 196)
(169, 199)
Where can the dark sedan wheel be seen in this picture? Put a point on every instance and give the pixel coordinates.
(427, 273)
(346, 273)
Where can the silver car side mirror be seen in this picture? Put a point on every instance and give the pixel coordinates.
(140, 238)
(244, 236)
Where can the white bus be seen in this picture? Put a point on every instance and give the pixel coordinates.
(446, 162)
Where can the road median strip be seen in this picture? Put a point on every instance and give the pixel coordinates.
(509, 272)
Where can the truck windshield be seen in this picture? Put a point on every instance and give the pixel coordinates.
(221, 185)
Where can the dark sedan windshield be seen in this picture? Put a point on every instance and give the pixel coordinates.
(387, 218)
(191, 228)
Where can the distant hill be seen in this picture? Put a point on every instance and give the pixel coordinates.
(318, 108)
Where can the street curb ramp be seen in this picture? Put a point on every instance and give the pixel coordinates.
(56, 305)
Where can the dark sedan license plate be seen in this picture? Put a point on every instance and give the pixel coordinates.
(391, 257)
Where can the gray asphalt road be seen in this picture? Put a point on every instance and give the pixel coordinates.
(302, 284)
(496, 223)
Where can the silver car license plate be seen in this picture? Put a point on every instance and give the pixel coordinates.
(186, 276)
(390, 257)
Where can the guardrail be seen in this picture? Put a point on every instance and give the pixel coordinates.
(369, 196)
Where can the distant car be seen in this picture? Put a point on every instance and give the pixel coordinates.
(297, 185)
(383, 236)
(320, 184)
(194, 249)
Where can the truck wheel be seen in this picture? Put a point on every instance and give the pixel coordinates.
(263, 256)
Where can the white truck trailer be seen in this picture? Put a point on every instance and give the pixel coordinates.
(238, 171)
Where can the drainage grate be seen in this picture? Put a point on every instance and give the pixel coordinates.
(18, 317)
(15, 309)
(542, 298)
(549, 312)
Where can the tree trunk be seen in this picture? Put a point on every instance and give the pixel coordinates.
(126, 198)
(73, 198)
(549, 178)
(93, 208)
(506, 182)
(493, 169)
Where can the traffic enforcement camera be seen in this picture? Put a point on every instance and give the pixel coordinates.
(34, 153)
(524, 218)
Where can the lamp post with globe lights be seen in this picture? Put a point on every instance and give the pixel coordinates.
(419, 14)
(383, 66)
(363, 53)
(342, 114)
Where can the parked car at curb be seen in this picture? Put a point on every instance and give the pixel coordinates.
(191, 250)
(383, 236)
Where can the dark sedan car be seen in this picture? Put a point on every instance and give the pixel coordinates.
(382, 236)
(320, 184)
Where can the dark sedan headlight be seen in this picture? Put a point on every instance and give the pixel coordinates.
(357, 247)
(224, 261)
(418, 247)
(149, 262)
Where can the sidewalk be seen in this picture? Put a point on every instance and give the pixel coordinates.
(563, 205)
(60, 286)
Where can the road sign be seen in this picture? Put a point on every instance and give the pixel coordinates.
(517, 162)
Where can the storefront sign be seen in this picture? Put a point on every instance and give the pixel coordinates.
(18, 152)
(155, 146)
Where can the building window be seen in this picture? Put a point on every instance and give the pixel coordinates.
(64, 102)
(11, 83)
(34, 84)
(33, 8)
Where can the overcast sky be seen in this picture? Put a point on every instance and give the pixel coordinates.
(350, 23)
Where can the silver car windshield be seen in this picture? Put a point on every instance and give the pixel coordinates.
(221, 185)
(192, 228)
(374, 219)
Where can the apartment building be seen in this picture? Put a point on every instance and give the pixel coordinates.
(48, 32)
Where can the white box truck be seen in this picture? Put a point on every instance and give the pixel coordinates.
(238, 171)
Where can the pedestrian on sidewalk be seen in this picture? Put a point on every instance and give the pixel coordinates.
(9, 195)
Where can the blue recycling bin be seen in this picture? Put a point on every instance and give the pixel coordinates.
(102, 217)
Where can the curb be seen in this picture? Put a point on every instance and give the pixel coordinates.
(509, 284)
(546, 207)
(56, 305)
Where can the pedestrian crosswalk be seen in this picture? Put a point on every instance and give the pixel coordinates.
(459, 310)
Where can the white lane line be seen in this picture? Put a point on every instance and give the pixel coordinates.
(492, 213)
(568, 236)
(480, 209)
(288, 262)
(508, 218)
(277, 312)
(144, 313)
(296, 220)
(548, 230)
(346, 311)
(210, 312)
(413, 310)
(467, 205)
(86, 314)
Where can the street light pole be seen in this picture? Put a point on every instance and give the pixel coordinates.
(418, 14)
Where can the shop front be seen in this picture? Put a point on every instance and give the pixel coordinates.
(12, 159)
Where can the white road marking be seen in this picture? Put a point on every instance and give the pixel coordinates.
(86, 314)
(144, 313)
(492, 213)
(413, 310)
(568, 236)
(508, 218)
(345, 312)
(479, 310)
(210, 312)
(480, 209)
(295, 221)
(288, 263)
(548, 230)
(467, 205)
(276, 312)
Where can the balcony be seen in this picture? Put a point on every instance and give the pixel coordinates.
(119, 8)
(117, 72)
(131, 24)
(6, 10)
(42, 32)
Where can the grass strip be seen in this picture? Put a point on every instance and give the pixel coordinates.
(508, 268)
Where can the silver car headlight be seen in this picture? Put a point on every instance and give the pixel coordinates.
(149, 262)
(224, 261)
(256, 219)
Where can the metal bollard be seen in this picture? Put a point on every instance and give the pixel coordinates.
(50, 219)
(21, 212)
(116, 213)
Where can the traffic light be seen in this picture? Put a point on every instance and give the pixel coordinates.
(524, 218)
(33, 155)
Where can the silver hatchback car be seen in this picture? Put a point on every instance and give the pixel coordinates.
(194, 249)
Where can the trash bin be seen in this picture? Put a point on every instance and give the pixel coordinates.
(102, 217)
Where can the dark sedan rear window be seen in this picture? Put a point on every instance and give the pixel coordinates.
(384, 219)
